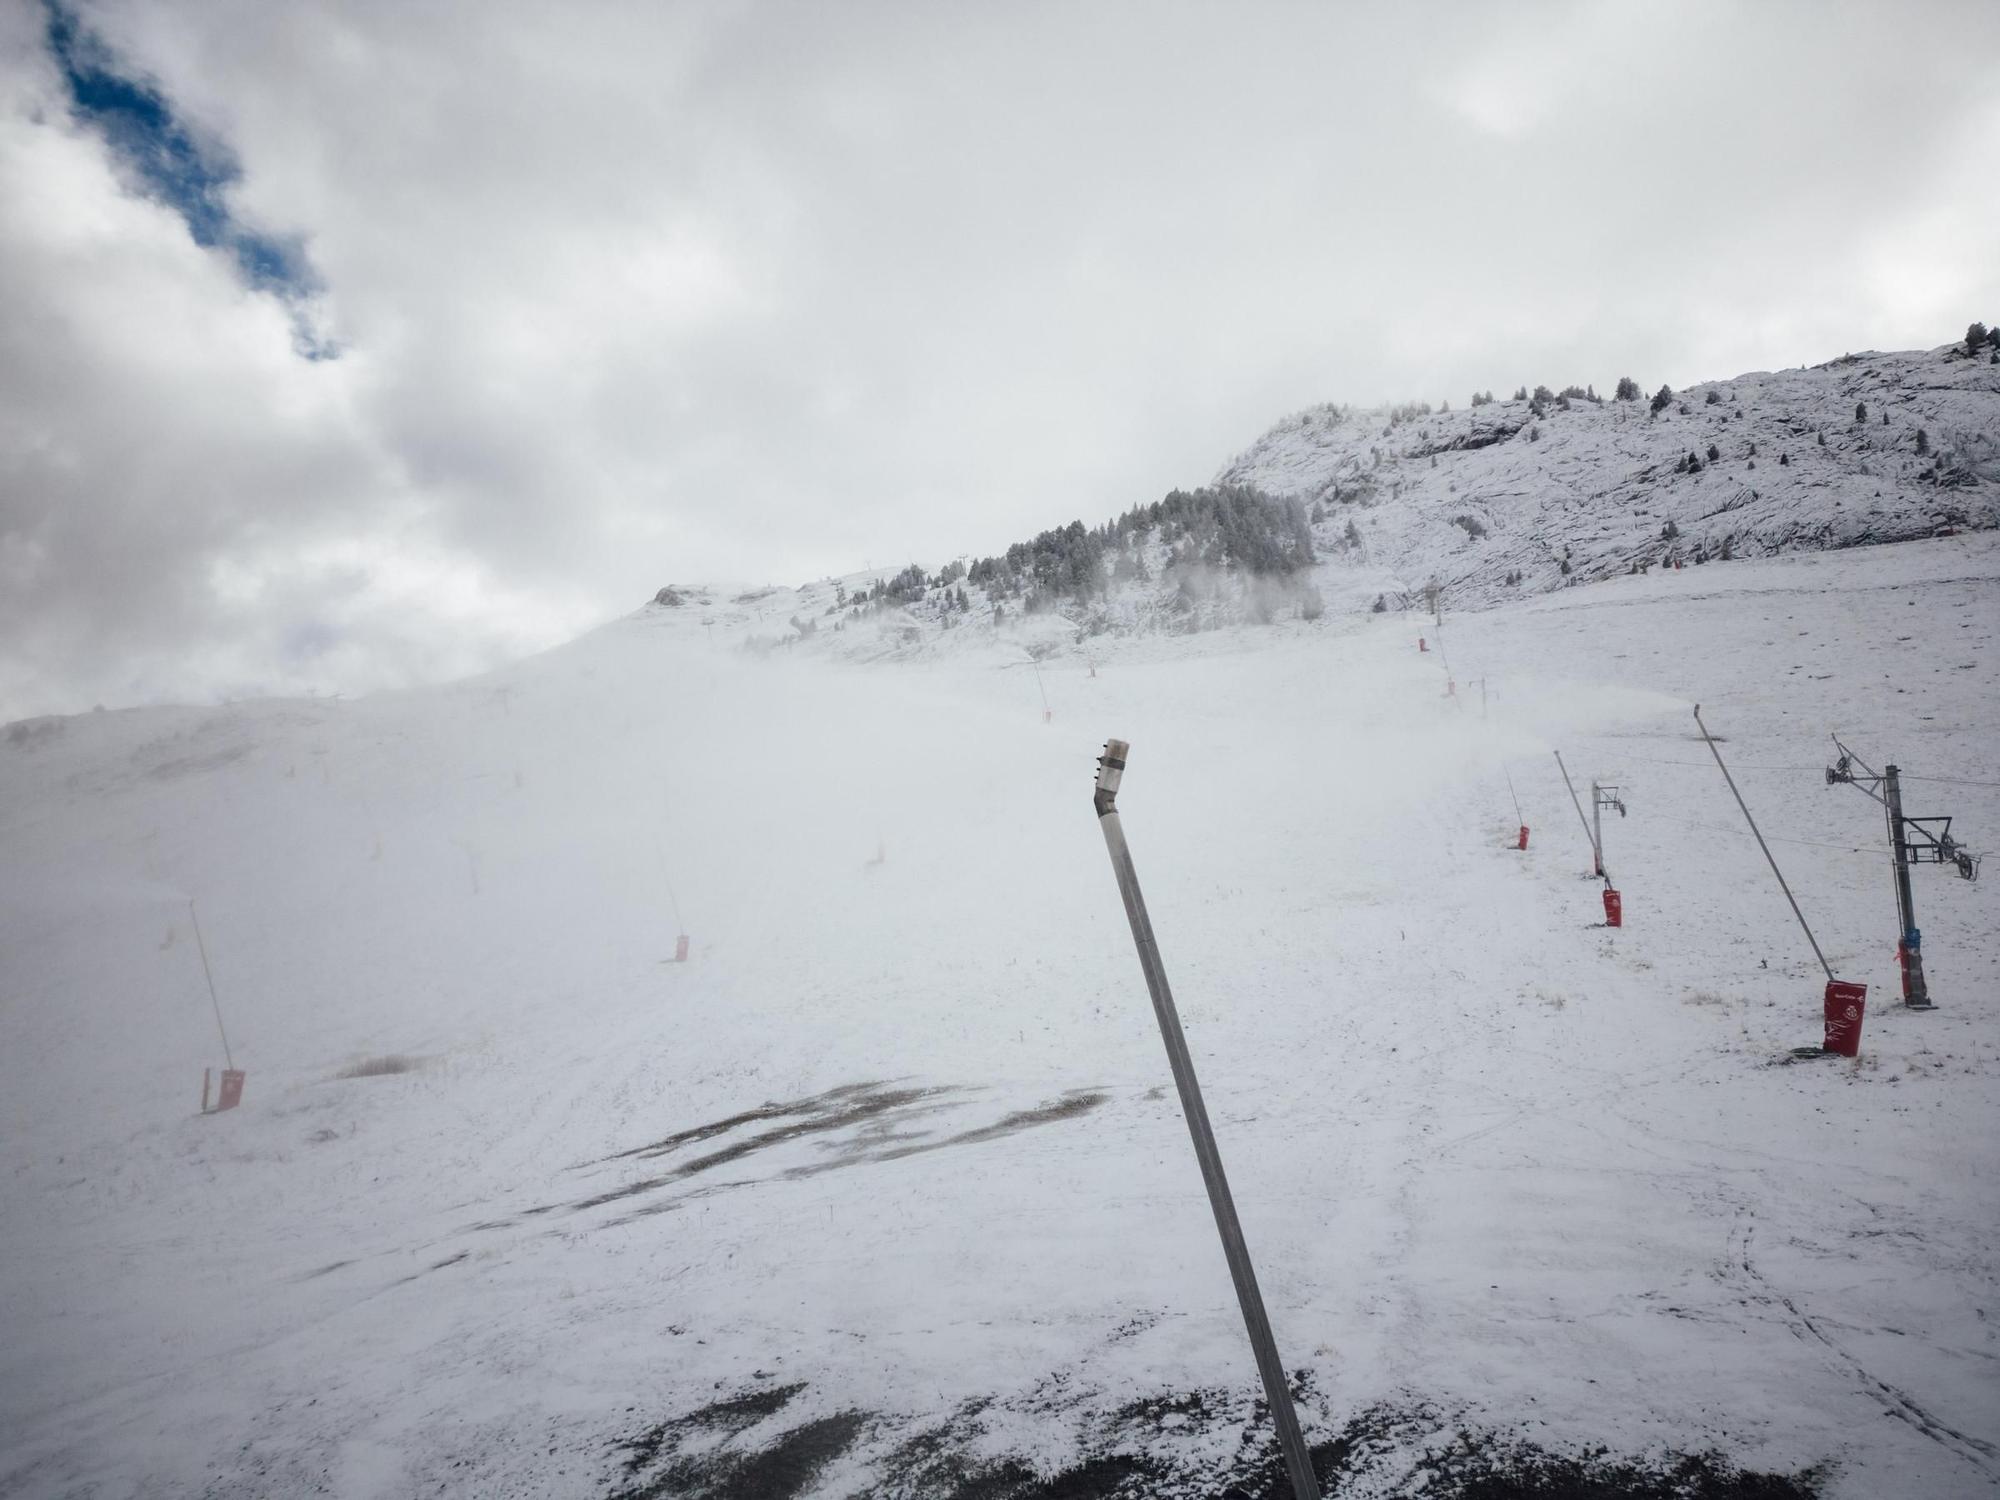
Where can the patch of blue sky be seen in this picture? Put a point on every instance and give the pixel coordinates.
(186, 171)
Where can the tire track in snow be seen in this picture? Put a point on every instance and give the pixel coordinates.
(1896, 1402)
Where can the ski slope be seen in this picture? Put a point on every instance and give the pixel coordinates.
(885, 1190)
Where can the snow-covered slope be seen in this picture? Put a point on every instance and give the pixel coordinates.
(885, 1191)
(1489, 503)
(1606, 486)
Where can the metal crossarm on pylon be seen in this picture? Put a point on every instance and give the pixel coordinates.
(1912, 841)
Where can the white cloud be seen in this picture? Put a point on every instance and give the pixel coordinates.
(631, 293)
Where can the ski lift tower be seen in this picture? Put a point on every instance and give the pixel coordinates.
(1912, 841)
(1601, 797)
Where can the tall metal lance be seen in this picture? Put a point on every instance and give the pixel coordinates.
(209, 975)
(1518, 816)
(1596, 851)
(1712, 750)
(1298, 1462)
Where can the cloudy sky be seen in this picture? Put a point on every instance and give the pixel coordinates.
(346, 345)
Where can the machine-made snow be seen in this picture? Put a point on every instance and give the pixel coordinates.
(888, 1179)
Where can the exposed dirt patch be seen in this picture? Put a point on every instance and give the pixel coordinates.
(1070, 1106)
(658, 1465)
(381, 1067)
(850, 1125)
(1150, 1450)
(817, 1104)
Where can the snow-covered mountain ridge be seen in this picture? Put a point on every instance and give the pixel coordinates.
(1490, 502)
(1495, 499)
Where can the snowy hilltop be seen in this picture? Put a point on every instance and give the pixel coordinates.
(1549, 488)
(1344, 509)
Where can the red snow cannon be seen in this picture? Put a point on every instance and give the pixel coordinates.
(1523, 842)
(681, 949)
(1420, 644)
(1614, 908)
(1844, 1005)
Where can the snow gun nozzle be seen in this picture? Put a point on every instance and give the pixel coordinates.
(1110, 771)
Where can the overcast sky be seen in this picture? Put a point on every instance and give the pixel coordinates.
(347, 345)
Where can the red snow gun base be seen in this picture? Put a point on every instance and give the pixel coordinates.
(1845, 1004)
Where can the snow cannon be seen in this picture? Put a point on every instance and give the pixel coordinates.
(1522, 842)
(1845, 1004)
(681, 949)
(1422, 644)
(1208, 1156)
(1614, 908)
(1110, 772)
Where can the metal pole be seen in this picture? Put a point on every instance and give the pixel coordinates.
(1761, 844)
(1298, 1463)
(209, 975)
(1513, 794)
(660, 861)
(1915, 992)
(1597, 823)
(1596, 853)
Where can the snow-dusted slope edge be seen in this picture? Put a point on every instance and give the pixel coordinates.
(884, 1192)
(1473, 498)
(1489, 503)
